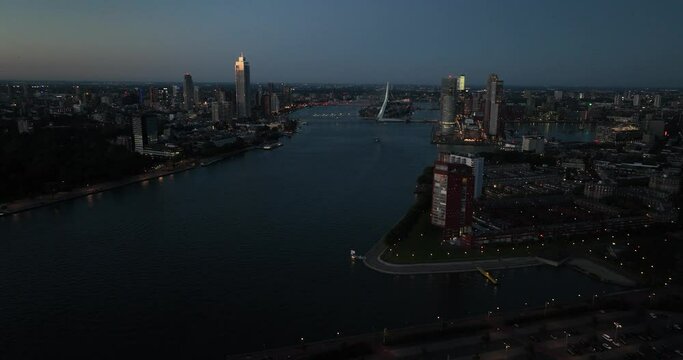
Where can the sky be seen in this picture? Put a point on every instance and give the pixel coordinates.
(526, 42)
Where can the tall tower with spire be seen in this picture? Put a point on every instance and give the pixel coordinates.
(242, 87)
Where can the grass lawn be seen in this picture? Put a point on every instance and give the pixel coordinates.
(423, 244)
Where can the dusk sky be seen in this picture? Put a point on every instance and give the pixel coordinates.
(571, 43)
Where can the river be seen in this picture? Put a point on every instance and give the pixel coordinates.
(246, 253)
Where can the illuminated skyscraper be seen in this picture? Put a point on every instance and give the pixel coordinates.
(449, 87)
(188, 92)
(242, 87)
(494, 100)
(461, 82)
(139, 134)
(658, 101)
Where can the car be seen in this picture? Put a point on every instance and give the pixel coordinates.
(606, 346)
(653, 315)
(516, 325)
(677, 327)
(680, 353)
(571, 352)
(606, 337)
(553, 336)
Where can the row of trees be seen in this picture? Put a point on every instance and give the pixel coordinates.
(423, 202)
(56, 159)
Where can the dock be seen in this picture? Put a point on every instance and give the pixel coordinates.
(487, 275)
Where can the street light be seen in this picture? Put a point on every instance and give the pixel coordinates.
(506, 350)
(566, 339)
(617, 326)
(545, 308)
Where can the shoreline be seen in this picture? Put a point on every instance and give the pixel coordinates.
(373, 260)
(22, 205)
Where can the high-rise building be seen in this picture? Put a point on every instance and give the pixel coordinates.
(274, 103)
(559, 95)
(195, 96)
(174, 94)
(494, 100)
(449, 88)
(216, 111)
(286, 98)
(461, 82)
(139, 134)
(658, 101)
(188, 92)
(476, 102)
(452, 195)
(221, 111)
(471, 160)
(636, 100)
(242, 87)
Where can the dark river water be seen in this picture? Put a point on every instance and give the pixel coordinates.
(246, 253)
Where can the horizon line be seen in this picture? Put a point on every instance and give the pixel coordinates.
(602, 87)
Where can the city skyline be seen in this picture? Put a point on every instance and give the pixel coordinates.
(527, 43)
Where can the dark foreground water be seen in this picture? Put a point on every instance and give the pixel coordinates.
(247, 253)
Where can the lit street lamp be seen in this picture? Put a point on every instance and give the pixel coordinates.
(617, 326)
(545, 308)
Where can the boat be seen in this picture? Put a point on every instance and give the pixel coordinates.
(272, 146)
(356, 257)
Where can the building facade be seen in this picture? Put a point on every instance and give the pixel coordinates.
(474, 162)
(242, 87)
(452, 200)
(449, 87)
(188, 92)
(494, 100)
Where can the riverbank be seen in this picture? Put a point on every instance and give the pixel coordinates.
(489, 335)
(22, 205)
(373, 260)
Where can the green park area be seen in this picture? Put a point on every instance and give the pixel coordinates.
(422, 243)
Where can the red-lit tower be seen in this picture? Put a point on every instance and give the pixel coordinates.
(452, 201)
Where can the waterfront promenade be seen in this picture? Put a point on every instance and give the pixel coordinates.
(374, 261)
(44, 200)
(49, 199)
